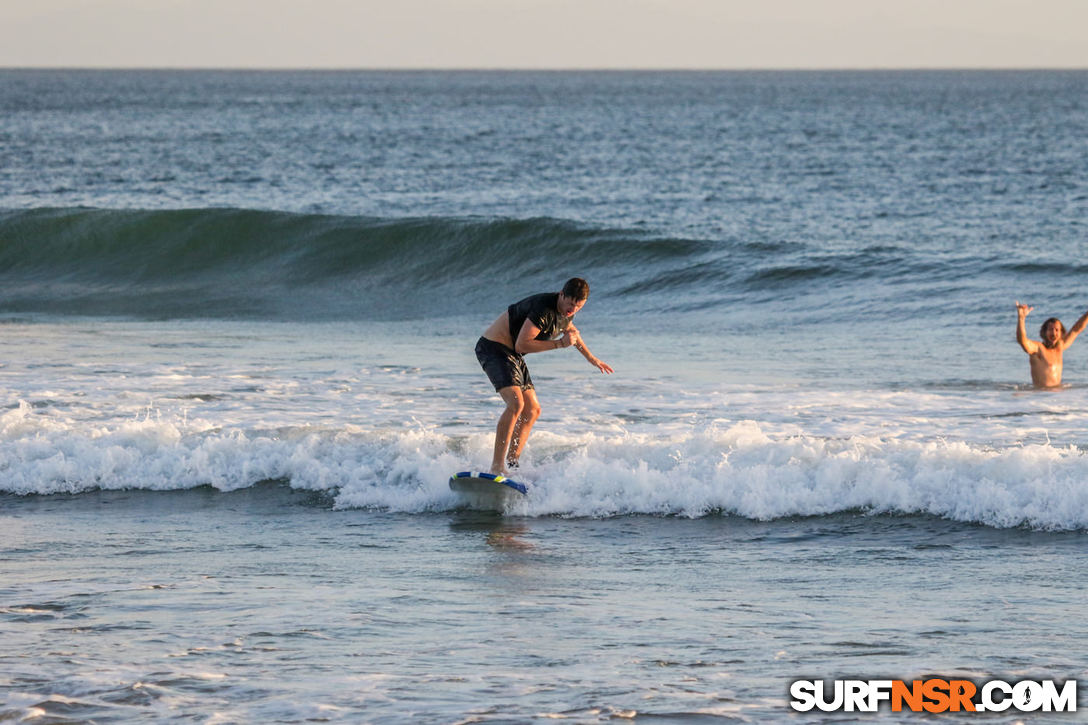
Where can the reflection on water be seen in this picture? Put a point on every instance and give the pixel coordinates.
(508, 538)
(498, 531)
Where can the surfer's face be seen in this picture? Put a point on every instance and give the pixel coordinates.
(1052, 332)
(568, 306)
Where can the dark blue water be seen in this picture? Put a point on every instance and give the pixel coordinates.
(936, 196)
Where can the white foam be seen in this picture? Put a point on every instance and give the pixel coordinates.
(742, 468)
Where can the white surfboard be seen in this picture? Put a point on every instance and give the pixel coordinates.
(487, 490)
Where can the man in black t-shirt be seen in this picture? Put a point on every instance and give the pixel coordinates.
(535, 324)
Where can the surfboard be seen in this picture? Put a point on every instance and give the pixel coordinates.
(487, 489)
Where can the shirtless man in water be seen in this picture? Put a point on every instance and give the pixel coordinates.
(532, 325)
(1046, 356)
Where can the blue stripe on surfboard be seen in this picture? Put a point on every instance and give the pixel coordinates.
(516, 485)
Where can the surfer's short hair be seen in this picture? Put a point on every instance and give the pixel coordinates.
(1042, 328)
(576, 289)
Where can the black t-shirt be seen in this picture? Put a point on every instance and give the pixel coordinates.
(542, 310)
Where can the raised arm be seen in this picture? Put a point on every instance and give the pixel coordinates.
(1030, 346)
(1075, 330)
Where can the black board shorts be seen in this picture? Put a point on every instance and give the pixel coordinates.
(503, 366)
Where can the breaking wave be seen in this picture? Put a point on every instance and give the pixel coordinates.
(734, 469)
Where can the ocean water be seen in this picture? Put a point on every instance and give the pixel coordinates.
(238, 312)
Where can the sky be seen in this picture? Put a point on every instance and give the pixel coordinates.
(560, 34)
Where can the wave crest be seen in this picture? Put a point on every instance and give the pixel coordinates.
(278, 265)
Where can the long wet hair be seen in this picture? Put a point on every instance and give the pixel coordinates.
(1042, 328)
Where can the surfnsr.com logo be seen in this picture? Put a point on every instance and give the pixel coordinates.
(934, 695)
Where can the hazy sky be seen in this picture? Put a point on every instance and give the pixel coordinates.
(545, 33)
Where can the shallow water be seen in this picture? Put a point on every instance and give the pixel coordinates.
(264, 604)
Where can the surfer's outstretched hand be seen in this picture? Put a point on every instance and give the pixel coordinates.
(575, 338)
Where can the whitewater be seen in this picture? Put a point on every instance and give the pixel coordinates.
(386, 436)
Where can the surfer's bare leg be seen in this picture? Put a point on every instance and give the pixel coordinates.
(514, 398)
(529, 413)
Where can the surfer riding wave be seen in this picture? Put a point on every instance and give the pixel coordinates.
(537, 323)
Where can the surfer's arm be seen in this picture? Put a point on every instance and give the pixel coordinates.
(527, 342)
(1030, 346)
(1076, 329)
(580, 346)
